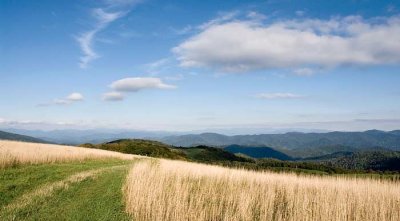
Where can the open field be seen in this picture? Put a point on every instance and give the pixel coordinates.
(173, 190)
(14, 153)
(52, 182)
(88, 190)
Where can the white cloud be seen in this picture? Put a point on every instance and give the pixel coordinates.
(103, 18)
(139, 83)
(271, 96)
(113, 96)
(85, 42)
(75, 97)
(237, 46)
(86, 39)
(71, 98)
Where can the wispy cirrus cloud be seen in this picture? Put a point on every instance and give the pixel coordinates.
(222, 17)
(113, 10)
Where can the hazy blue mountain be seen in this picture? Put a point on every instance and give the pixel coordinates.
(395, 132)
(95, 136)
(18, 137)
(257, 152)
(293, 140)
(325, 150)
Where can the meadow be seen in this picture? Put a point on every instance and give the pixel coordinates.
(173, 190)
(52, 182)
(13, 153)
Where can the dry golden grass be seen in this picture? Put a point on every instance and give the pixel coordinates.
(173, 190)
(15, 153)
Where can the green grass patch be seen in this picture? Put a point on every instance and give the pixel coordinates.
(98, 198)
(16, 181)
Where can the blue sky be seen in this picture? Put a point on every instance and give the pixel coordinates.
(200, 65)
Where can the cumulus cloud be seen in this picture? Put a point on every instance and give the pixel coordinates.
(103, 16)
(113, 96)
(74, 97)
(243, 45)
(71, 98)
(270, 96)
(139, 83)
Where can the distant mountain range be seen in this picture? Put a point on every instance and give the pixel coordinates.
(370, 150)
(260, 157)
(286, 146)
(296, 144)
(95, 136)
(18, 137)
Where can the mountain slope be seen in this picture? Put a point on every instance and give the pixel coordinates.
(139, 147)
(257, 152)
(293, 140)
(158, 149)
(18, 137)
(362, 160)
(210, 154)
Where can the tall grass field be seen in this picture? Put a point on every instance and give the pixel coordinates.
(53, 182)
(13, 153)
(173, 190)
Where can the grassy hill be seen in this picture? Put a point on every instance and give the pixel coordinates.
(161, 150)
(140, 147)
(18, 137)
(210, 154)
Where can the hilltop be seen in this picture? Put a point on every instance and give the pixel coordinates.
(157, 149)
(18, 137)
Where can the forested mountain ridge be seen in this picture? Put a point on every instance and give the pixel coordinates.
(293, 140)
